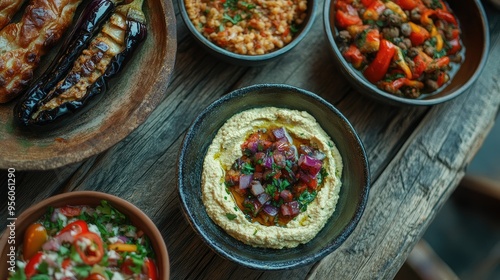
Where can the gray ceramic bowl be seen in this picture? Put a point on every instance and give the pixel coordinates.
(249, 60)
(353, 194)
(476, 40)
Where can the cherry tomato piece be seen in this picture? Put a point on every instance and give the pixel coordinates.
(70, 211)
(150, 269)
(34, 238)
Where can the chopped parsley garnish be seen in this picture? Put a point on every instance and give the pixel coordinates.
(247, 168)
(234, 20)
(305, 198)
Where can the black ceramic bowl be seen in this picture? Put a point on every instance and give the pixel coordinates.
(249, 60)
(475, 38)
(353, 193)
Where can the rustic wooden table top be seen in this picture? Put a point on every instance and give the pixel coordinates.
(417, 157)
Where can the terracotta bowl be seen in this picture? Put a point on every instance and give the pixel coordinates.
(132, 95)
(353, 194)
(476, 40)
(136, 216)
(249, 60)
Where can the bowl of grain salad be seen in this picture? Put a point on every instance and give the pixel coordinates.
(248, 32)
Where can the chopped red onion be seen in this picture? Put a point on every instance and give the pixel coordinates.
(304, 149)
(285, 210)
(305, 177)
(310, 164)
(281, 133)
(268, 162)
(270, 210)
(282, 145)
(124, 239)
(245, 181)
(252, 146)
(263, 198)
(292, 154)
(294, 206)
(286, 195)
(66, 237)
(52, 245)
(256, 188)
(279, 159)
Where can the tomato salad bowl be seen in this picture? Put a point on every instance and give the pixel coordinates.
(84, 235)
(412, 52)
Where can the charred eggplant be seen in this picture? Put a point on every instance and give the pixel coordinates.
(68, 87)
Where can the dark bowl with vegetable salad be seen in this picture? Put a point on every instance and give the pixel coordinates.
(123, 239)
(353, 194)
(457, 33)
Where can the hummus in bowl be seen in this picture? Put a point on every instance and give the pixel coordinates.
(314, 232)
(271, 177)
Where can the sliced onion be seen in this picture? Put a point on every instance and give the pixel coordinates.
(310, 165)
(245, 181)
(286, 195)
(319, 155)
(281, 133)
(270, 210)
(256, 188)
(263, 198)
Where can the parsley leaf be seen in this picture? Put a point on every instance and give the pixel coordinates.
(233, 20)
(230, 216)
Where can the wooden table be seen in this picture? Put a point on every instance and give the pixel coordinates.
(417, 157)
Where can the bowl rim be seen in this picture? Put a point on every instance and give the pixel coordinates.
(39, 209)
(330, 247)
(365, 85)
(244, 57)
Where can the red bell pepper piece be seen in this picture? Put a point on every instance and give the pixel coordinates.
(455, 46)
(93, 252)
(421, 61)
(76, 227)
(150, 269)
(345, 19)
(407, 4)
(446, 16)
(367, 3)
(31, 267)
(374, 10)
(418, 34)
(394, 86)
(438, 64)
(379, 66)
(354, 56)
(442, 78)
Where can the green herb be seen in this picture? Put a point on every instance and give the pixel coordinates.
(40, 277)
(247, 168)
(247, 5)
(221, 28)
(19, 275)
(392, 77)
(439, 54)
(436, 4)
(255, 231)
(294, 28)
(231, 4)
(82, 271)
(305, 198)
(270, 189)
(283, 185)
(233, 20)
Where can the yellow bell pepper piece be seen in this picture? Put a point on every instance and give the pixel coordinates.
(439, 38)
(396, 9)
(120, 247)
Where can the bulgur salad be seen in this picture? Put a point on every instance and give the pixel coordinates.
(250, 27)
(83, 242)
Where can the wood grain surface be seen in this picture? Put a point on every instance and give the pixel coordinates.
(417, 156)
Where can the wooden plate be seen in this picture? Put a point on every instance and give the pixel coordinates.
(131, 97)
